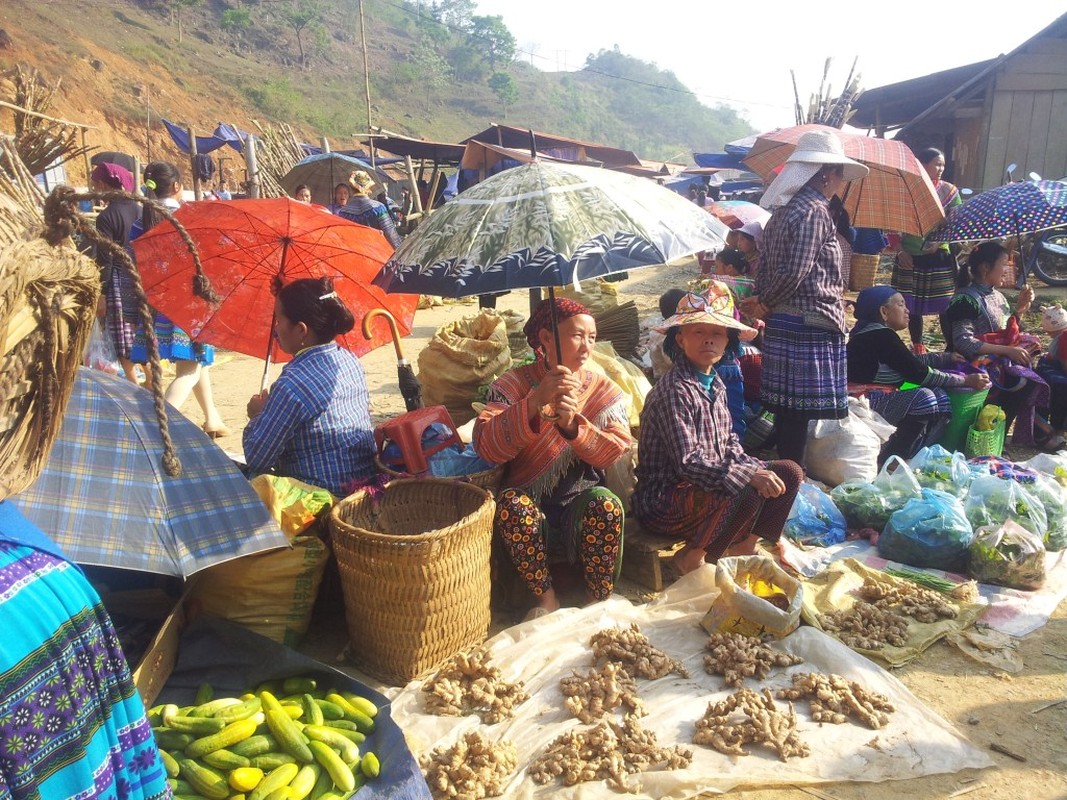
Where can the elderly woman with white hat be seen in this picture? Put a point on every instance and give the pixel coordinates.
(694, 481)
(798, 292)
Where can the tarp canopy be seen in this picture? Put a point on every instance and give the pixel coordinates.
(223, 135)
(560, 147)
(360, 155)
(721, 160)
(437, 152)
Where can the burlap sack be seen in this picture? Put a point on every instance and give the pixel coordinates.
(462, 357)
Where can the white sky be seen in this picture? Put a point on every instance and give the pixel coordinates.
(740, 53)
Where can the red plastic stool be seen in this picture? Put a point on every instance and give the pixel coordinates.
(406, 432)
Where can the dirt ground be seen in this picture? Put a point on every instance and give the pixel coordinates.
(1025, 713)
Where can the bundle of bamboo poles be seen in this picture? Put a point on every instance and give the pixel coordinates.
(41, 141)
(277, 151)
(620, 326)
(823, 108)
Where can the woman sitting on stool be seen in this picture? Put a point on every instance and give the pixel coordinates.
(558, 426)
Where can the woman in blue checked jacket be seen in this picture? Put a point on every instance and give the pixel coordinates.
(314, 423)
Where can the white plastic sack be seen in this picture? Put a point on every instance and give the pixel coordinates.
(846, 449)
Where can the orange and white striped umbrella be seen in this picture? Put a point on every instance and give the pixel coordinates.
(897, 194)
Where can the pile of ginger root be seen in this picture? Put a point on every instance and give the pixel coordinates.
(592, 694)
(473, 768)
(468, 684)
(608, 751)
(834, 699)
(750, 717)
(631, 648)
(917, 602)
(737, 657)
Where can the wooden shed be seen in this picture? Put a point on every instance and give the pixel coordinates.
(985, 116)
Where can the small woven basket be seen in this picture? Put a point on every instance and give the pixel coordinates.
(863, 270)
(489, 479)
(414, 565)
(986, 443)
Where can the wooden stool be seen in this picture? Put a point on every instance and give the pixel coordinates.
(406, 432)
(645, 555)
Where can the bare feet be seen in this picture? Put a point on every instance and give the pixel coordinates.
(688, 559)
(548, 601)
(746, 547)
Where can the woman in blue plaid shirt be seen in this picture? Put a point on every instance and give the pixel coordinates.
(314, 423)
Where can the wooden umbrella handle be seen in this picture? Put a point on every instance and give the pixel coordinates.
(376, 312)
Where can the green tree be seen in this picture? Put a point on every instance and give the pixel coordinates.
(235, 21)
(455, 13)
(433, 71)
(493, 38)
(505, 89)
(301, 15)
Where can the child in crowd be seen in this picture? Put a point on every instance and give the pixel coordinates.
(1053, 366)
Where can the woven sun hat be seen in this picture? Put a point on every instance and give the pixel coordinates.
(814, 150)
(1054, 319)
(361, 182)
(715, 306)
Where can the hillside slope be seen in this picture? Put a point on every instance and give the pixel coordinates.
(120, 66)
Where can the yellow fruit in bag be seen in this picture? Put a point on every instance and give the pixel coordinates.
(988, 417)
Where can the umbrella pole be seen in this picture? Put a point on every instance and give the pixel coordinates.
(270, 350)
(555, 323)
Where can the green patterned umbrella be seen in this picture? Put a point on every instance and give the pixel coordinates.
(547, 224)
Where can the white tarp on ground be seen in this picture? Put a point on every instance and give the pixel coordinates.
(916, 742)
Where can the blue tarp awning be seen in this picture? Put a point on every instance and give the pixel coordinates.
(361, 155)
(721, 160)
(224, 135)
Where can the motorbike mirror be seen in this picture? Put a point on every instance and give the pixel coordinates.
(1011, 168)
(967, 192)
(1034, 176)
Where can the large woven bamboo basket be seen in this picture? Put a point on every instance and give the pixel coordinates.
(414, 565)
(863, 270)
(47, 310)
(489, 479)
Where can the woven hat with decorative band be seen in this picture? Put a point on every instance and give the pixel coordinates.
(1054, 319)
(714, 307)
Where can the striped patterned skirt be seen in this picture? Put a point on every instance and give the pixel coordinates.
(921, 402)
(804, 372)
(73, 723)
(174, 345)
(929, 285)
(122, 312)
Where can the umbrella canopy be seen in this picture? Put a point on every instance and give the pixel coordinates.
(323, 172)
(245, 246)
(897, 194)
(106, 501)
(547, 224)
(737, 213)
(1013, 209)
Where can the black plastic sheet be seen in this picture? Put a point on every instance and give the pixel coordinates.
(233, 659)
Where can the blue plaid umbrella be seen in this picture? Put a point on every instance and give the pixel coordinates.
(106, 501)
(1013, 209)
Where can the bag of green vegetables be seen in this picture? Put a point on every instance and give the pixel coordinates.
(1007, 555)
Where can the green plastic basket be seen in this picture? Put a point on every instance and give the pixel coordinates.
(986, 443)
(966, 404)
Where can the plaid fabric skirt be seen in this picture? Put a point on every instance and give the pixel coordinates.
(122, 312)
(928, 286)
(804, 373)
(921, 402)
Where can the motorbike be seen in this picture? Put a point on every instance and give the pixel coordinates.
(1045, 256)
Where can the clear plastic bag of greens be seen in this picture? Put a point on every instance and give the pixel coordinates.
(896, 481)
(1007, 555)
(862, 504)
(814, 520)
(937, 468)
(929, 531)
(992, 500)
(1051, 495)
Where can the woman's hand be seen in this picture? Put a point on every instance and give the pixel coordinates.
(767, 484)
(256, 403)
(752, 307)
(567, 409)
(551, 386)
(1023, 301)
(1019, 355)
(976, 380)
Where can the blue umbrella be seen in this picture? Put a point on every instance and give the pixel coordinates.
(106, 501)
(1013, 209)
(322, 172)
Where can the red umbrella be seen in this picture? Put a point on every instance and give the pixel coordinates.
(244, 246)
(896, 195)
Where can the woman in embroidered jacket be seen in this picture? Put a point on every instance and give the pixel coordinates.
(558, 426)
